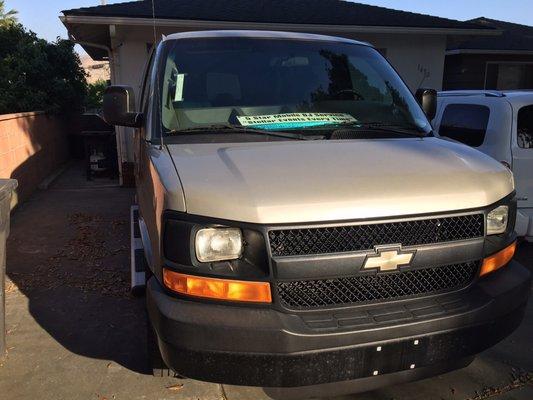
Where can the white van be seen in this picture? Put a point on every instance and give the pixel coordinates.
(500, 124)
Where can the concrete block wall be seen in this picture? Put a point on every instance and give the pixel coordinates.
(32, 146)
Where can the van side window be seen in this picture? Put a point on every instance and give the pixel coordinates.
(525, 127)
(466, 123)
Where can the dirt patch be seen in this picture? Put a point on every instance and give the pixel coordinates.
(93, 259)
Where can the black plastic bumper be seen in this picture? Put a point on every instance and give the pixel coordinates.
(264, 347)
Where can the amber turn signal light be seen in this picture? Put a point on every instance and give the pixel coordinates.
(219, 289)
(498, 260)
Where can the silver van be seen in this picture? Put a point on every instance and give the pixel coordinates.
(500, 124)
(302, 227)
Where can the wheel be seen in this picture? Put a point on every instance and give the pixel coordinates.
(155, 364)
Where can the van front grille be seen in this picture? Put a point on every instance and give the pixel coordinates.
(339, 239)
(376, 287)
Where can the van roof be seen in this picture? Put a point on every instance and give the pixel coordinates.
(260, 34)
(486, 93)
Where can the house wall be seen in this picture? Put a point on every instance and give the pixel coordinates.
(95, 70)
(419, 59)
(32, 146)
(467, 71)
(128, 65)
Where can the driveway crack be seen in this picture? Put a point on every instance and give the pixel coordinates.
(223, 392)
(519, 380)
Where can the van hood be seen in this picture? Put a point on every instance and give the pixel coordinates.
(309, 181)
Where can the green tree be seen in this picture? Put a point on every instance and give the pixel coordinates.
(7, 17)
(95, 94)
(38, 75)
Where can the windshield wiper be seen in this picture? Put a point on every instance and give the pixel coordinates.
(229, 128)
(410, 130)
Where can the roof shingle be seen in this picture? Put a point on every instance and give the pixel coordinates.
(514, 37)
(323, 12)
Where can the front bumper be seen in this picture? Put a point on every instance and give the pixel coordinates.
(260, 346)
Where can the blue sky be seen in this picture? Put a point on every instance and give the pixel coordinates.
(42, 16)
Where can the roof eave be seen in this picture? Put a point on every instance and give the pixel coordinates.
(98, 49)
(201, 24)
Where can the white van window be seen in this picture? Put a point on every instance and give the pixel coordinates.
(525, 127)
(466, 123)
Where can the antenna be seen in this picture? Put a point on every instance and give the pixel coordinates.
(157, 70)
(153, 22)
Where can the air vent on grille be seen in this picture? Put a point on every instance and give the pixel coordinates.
(338, 239)
(375, 287)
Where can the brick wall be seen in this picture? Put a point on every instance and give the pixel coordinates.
(32, 146)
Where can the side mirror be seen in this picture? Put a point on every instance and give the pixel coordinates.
(427, 98)
(119, 107)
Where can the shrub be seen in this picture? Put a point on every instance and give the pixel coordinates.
(38, 75)
(95, 95)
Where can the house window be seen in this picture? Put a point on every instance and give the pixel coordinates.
(525, 127)
(466, 123)
(510, 75)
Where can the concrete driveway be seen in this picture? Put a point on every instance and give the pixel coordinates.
(74, 332)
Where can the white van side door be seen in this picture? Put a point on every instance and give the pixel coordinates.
(522, 148)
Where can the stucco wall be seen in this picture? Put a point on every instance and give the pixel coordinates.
(419, 59)
(129, 64)
(32, 146)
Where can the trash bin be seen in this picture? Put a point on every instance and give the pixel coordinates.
(6, 188)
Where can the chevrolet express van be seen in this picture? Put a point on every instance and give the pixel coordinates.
(301, 225)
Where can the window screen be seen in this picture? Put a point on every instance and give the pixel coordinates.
(466, 123)
(525, 127)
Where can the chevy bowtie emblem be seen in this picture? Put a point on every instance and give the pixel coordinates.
(388, 258)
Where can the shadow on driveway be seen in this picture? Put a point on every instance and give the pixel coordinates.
(68, 253)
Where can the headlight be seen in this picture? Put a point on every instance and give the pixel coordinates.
(497, 220)
(218, 244)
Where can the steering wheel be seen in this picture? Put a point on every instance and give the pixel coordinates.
(356, 95)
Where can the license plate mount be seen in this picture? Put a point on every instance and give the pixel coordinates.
(394, 357)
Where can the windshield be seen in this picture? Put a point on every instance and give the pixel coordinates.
(278, 84)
